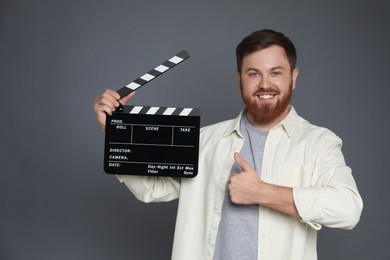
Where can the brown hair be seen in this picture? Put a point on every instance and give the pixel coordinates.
(263, 39)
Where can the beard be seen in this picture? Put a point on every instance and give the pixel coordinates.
(266, 113)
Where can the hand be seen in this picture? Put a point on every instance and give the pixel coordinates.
(247, 188)
(106, 103)
(244, 187)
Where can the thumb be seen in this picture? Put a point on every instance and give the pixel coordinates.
(126, 98)
(242, 163)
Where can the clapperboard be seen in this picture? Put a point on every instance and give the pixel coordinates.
(149, 140)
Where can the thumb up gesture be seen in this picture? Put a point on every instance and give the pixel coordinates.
(247, 188)
(244, 187)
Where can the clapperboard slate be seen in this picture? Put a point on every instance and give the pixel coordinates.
(149, 140)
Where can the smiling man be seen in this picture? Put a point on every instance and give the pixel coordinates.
(266, 81)
(268, 180)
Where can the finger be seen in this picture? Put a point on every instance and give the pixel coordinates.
(127, 98)
(105, 109)
(103, 104)
(111, 96)
(242, 163)
(112, 93)
(107, 98)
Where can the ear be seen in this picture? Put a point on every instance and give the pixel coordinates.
(238, 77)
(295, 73)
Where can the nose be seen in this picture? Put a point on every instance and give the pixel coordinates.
(264, 83)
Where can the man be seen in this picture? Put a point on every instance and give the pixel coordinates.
(267, 180)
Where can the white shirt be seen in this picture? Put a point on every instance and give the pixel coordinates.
(296, 154)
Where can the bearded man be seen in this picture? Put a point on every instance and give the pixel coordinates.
(268, 180)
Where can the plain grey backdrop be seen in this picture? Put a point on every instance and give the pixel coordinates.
(56, 202)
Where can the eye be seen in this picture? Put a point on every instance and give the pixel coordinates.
(253, 74)
(276, 73)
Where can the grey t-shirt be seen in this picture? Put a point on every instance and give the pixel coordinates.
(238, 228)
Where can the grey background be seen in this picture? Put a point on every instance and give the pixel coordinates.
(56, 56)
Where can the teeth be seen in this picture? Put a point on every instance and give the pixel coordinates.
(266, 96)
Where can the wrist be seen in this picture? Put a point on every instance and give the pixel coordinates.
(279, 198)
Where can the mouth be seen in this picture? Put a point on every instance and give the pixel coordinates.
(266, 97)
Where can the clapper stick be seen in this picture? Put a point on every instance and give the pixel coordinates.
(152, 74)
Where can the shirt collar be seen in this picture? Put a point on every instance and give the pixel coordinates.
(234, 126)
(288, 124)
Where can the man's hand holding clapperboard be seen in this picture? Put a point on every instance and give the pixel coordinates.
(150, 140)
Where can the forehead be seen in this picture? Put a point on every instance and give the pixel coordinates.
(273, 56)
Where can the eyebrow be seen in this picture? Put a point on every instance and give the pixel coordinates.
(278, 68)
(254, 69)
(273, 68)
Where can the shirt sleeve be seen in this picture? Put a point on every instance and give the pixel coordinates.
(332, 199)
(152, 189)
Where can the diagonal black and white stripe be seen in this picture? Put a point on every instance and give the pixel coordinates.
(152, 74)
(166, 111)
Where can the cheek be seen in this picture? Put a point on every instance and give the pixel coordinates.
(283, 84)
(248, 86)
(246, 91)
(280, 81)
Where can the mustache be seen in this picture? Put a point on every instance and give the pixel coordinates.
(262, 91)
